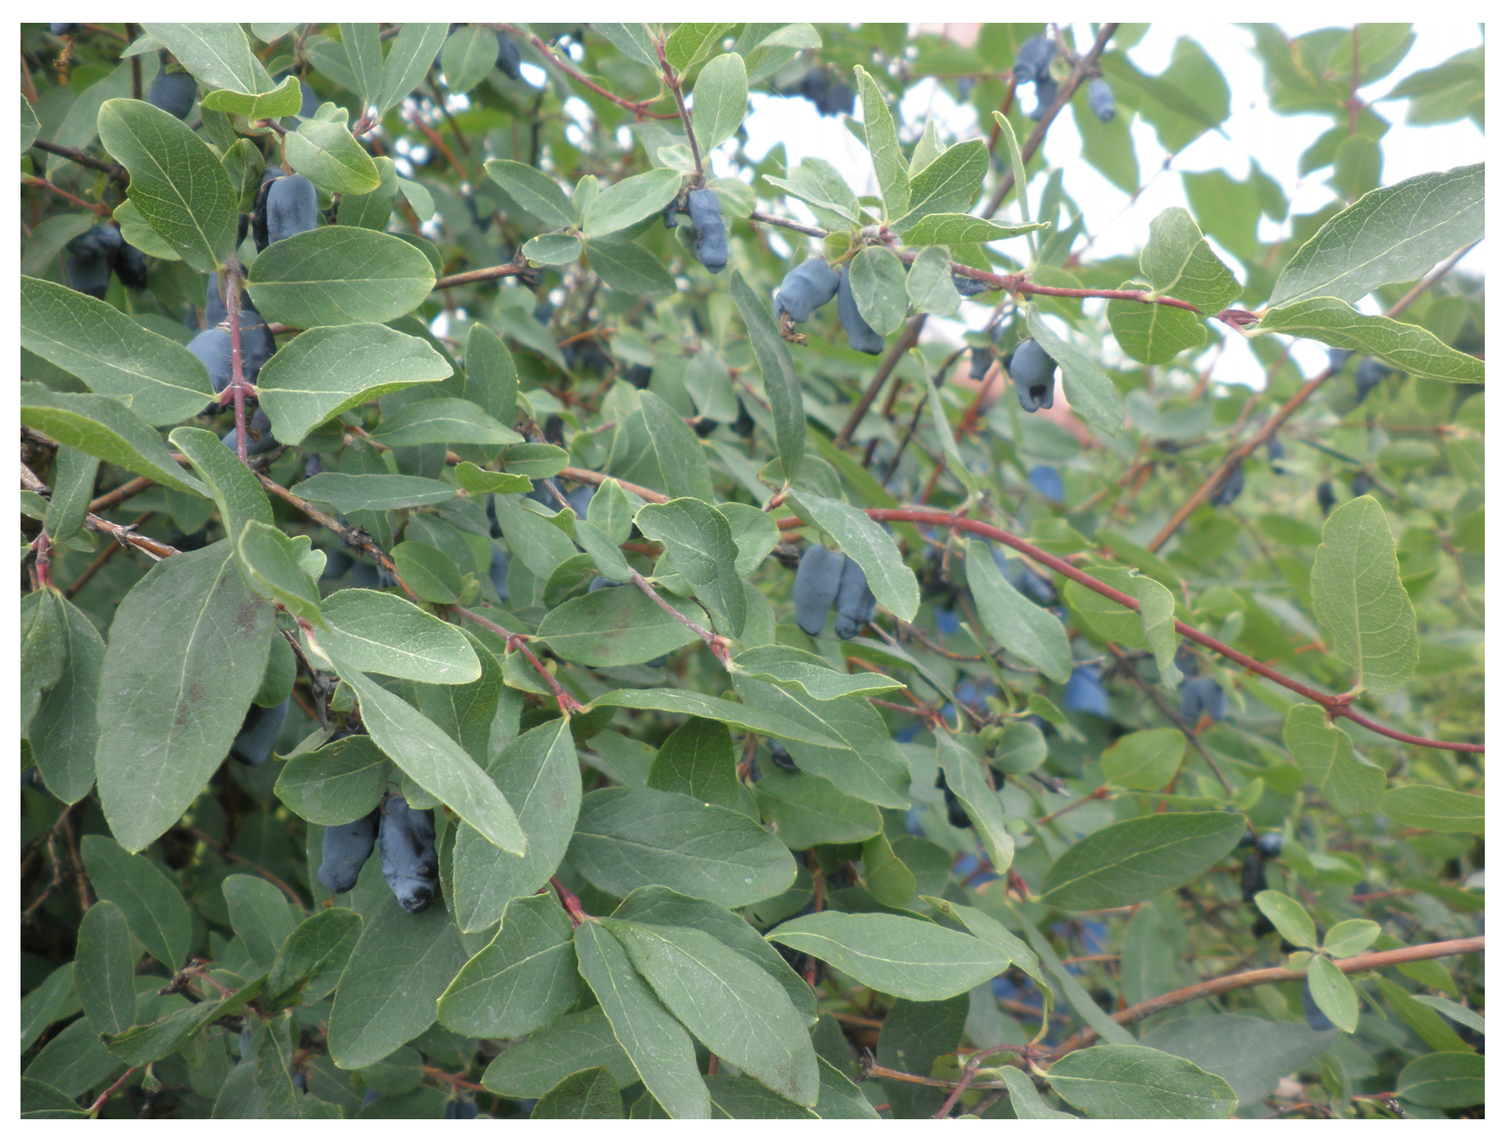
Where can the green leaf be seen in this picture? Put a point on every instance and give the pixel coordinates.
(728, 1002)
(878, 280)
(821, 185)
(702, 549)
(1179, 262)
(1136, 1082)
(468, 56)
(176, 181)
(657, 1044)
(335, 784)
(1359, 600)
(914, 1036)
(1157, 625)
(743, 716)
(1332, 991)
(1145, 760)
(969, 782)
(783, 387)
(627, 267)
(107, 429)
(666, 441)
(326, 153)
(589, 1094)
(890, 579)
(260, 915)
(432, 575)
(103, 969)
(284, 100)
(1435, 808)
(112, 353)
(538, 773)
(720, 99)
(338, 276)
(1399, 344)
(30, 127)
(948, 184)
(533, 190)
(634, 41)
(64, 728)
(318, 946)
(72, 491)
(1025, 629)
(217, 55)
(51, 1001)
(869, 766)
(152, 904)
(232, 486)
(272, 564)
(690, 42)
(809, 673)
(929, 283)
(1289, 917)
(558, 248)
(808, 810)
(1326, 757)
(1023, 1096)
(911, 958)
(629, 201)
(435, 762)
(1350, 937)
(188, 644)
(389, 990)
(885, 148)
(958, 228)
(442, 420)
(322, 372)
(570, 1044)
(1391, 235)
(697, 759)
(526, 977)
(1089, 390)
(381, 632)
(1252, 1054)
(412, 54)
(1444, 1080)
(1132, 860)
(373, 492)
(1152, 332)
(626, 838)
(1464, 1016)
(614, 627)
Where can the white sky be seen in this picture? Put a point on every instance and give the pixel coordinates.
(1275, 141)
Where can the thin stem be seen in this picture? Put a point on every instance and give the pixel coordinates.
(1335, 706)
(905, 342)
(229, 854)
(38, 182)
(716, 644)
(1216, 986)
(565, 702)
(79, 157)
(111, 1090)
(758, 217)
(479, 276)
(674, 84)
(636, 108)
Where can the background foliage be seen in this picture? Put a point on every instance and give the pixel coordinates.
(1150, 773)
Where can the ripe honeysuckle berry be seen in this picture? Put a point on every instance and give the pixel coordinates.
(173, 92)
(1085, 692)
(781, 758)
(1101, 100)
(1032, 59)
(807, 286)
(259, 439)
(1201, 695)
(1275, 452)
(408, 854)
(817, 583)
(958, 816)
(291, 207)
(499, 570)
(855, 603)
(509, 58)
(1325, 496)
(258, 733)
(1230, 490)
(1046, 481)
(1367, 375)
(345, 850)
(1046, 94)
(968, 286)
(1252, 877)
(710, 237)
(130, 265)
(1337, 358)
(1032, 372)
(858, 331)
(1271, 843)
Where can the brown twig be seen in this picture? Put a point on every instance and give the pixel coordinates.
(265, 873)
(115, 172)
(1214, 986)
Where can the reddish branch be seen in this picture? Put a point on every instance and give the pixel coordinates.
(636, 108)
(1335, 706)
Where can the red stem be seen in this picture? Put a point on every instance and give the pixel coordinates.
(1334, 705)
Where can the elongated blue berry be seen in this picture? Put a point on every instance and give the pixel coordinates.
(258, 733)
(1085, 692)
(1201, 695)
(1101, 100)
(408, 854)
(173, 92)
(345, 850)
(855, 602)
(1032, 372)
(1233, 484)
(1045, 479)
(816, 585)
(858, 331)
(1032, 58)
(710, 237)
(807, 286)
(291, 207)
